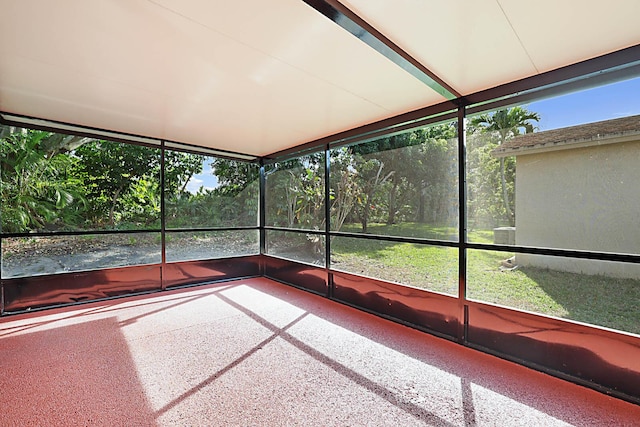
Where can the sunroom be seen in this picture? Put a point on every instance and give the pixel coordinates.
(343, 148)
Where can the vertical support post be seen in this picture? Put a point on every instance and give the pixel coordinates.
(262, 215)
(327, 222)
(462, 226)
(163, 239)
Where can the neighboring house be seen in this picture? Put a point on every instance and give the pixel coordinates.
(579, 188)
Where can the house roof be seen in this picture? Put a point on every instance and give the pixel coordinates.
(596, 133)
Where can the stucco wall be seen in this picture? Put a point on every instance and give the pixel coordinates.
(581, 198)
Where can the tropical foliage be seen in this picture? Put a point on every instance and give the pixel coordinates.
(494, 178)
(40, 186)
(233, 201)
(410, 176)
(407, 177)
(52, 181)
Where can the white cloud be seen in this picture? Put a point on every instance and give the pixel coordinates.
(194, 185)
(208, 182)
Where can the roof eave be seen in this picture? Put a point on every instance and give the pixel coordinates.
(567, 145)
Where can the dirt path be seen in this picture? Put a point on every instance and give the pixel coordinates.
(52, 255)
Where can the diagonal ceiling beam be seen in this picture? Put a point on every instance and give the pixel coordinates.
(351, 22)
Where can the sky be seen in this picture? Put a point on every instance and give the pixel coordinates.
(205, 179)
(611, 101)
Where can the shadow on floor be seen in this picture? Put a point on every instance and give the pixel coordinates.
(255, 352)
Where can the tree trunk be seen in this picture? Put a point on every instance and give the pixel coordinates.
(114, 199)
(363, 221)
(364, 215)
(392, 203)
(505, 193)
(420, 216)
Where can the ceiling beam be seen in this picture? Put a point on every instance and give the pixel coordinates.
(351, 22)
(412, 119)
(614, 66)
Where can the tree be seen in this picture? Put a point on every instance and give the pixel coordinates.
(343, 190)
(295, 192)
(393, 152)
(239, 186)
(382, 168)
(179, 168)
(181, 207)
(370, 174)
(433, 171)
(39, 188)
(506, 124)
(111, 169)
(234, 176)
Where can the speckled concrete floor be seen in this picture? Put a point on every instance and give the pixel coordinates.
(258, 353)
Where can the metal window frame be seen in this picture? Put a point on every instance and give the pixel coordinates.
(605, 69)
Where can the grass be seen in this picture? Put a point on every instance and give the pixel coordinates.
(599, 300)
(405, 263)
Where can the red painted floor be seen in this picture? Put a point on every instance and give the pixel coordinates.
(258, 353)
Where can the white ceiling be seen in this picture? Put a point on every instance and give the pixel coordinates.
(256, 76)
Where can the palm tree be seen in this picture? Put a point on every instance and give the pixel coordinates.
(507, 123)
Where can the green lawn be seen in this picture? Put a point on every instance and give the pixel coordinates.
(598, 300)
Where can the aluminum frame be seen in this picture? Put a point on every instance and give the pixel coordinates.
(477, 325)
(352, 23)
(472, 329)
